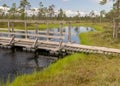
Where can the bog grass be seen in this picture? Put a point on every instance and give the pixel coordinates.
(76, 70)
(101, 37)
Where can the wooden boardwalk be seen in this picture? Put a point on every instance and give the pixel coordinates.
(30, 44)
(10, 39)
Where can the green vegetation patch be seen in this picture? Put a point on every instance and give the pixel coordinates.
(47, 73)
(75, 70)
(102, 37)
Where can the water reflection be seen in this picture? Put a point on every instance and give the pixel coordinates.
(35, 59)
(18, 62)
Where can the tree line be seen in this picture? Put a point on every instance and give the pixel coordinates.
(19, 12)
(114, 16)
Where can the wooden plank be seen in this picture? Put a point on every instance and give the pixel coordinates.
(31, 21)
(35, 43)
(11, 41)
(36, 35)
(26, 31)
(40, 32)
(93, 48)
(69, 33)
(49, 45)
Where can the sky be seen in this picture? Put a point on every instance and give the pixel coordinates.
(84, 6)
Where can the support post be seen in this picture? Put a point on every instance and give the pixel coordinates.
(47, 31)
(35, 43)
(25, 23)
(69, 32)
(12, 40)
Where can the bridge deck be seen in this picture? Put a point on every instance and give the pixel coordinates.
(53, 46)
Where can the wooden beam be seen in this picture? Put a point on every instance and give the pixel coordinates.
(47, 30)
(35, 43)
(36, 28)
(12, 26)
(31, 21)
(69, 32)
(8, 28)
(61, 32)
(35, 35)
(12, 40)
(26, 31)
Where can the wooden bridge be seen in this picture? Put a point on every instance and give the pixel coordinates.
(9, 39)
(33, 44)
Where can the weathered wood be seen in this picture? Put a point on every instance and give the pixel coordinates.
(56, 46)
(31, 21)
(43, 32)
(34, 35)
(47, 31)
(12, 27)
(69, 33)
(36, 28)
(8, 28)
(12, 40)
(35, 43)
(61, 32)
(26, 31)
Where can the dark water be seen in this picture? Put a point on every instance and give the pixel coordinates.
(19, 62)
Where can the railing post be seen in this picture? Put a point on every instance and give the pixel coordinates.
(12, 26)
(61, 33)
(47, 31)
(8, 29)
(36, 28)
(69, 32)
(25, 23)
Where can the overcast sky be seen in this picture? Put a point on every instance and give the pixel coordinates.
(73, 5)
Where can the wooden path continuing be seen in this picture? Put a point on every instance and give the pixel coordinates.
(56, 46)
